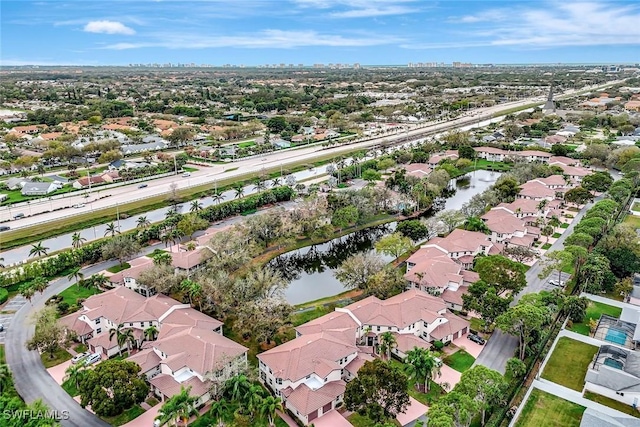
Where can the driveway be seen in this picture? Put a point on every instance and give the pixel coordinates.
(449, 376)
(414, 411)
(9, 309)
(58, 372)
(470, 347)
(501, 347)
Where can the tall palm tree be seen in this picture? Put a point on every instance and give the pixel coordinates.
(1, 262)
(38, 250)
(387, 344)
(178, 408)
(268, 408)
(76, 274)
(151, 333)
(422, 365)
(77, 240)
(142, 222)
(543, 204)
(236, 388)
(275, 182)
(217, 197)
(97, 281)
(260, 184)
(40, 284)
(5, 377)
(195, 206)
(239, 191)
(162, 258)
(122, 335)
(75, 372)
(27, 291)
(218, 410)
(112, 230)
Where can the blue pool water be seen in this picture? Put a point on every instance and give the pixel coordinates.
(616, 336)
(613, 363)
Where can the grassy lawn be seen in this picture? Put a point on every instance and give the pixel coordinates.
(118, 268)
(493, 166)
(556, 235)
(300, 318)
(546, 246)
(189, 169)
(70, 387)
(546, 410)
(434, 393)
(152, 401)
(636, 207)
(361, 421)
(594, 311)
(460, 360)
(564, 225)
(476, 324)
(612, 403)
(2, 359)
(125, 417)
(246, 144)
(633, 220)
(569, 363)
(73, 292)
(61, 355)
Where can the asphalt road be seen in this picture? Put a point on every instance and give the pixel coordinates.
(501, 347)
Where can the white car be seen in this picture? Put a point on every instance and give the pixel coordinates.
(80, 356)
(79, 205)
(557, 283)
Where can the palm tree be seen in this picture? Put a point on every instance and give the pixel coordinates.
(387, 344)
(554, 221)
(162, 258)
(40, 284)
(218, 410)
(217, 197)
(236, 388)
(259, 184)
(268, 408)
(75, 274)
(5, 377)
(543, 204)
(239, 190)
(195, 206)
(77, 240)
(75, 372)
(142, 222)
(38, 250)
(112, 230)
(27, 291)
(275, 182)
(253, 398)
(151, 333)
(178, 408)
(122, 335)
(422, 365)
(1, 262)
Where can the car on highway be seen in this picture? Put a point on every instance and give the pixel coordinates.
(186, 174)
(80, 356)
(79, 205)
(557, 283)
(476, 339)
(18, 215)
(142, 186)
(4, 228)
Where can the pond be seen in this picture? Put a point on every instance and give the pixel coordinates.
(311, 269)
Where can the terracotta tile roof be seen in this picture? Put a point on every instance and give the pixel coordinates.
(201, 350)
(102, 340)
(72, 322)
(536, 190)
(501, 221)
(189, 259)
(406, 342)
(462, 241)
(532, 153)
(526, 240)
(419, 170)
(524, 205)
(147, 359)
(169, 386)
(455, 297)
(306, 400)
(453, 325)
(553, 180)
(564, 160)
(490, 150)
(357, 363)
(305, 355)
(339, 324)
(470, 276)
(436, 268)
(138, 265)
(209, 233)
(575, 171)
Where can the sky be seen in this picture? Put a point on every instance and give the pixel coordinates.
(369, 32)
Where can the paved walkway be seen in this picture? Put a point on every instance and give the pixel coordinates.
(9, 309)
(471, 347)
(414, 411)
(449, 376)
(609, 301)
(287, 419)
(146, 419)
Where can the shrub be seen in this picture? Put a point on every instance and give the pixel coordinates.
(438, 345)
(4, 295)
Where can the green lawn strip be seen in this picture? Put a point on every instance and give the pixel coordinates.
(564, 225)
(246, 144)
(476, 324)
(61, 355)
(358, 420)
(633, 220)
(612, 403)
(70, 387)
(207, 420)
(73, 292)
(300, 318)
(189, 169)
(594, 311)
(569, 362)
(35, 233)
(546, 410)
(2, 358)
(460, 360)
(152, 401)
(636, 207)
(128, 415)
(118, 268)
(556, 235)
(546, 246)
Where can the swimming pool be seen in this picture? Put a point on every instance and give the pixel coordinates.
(613, 363)
(616, 336)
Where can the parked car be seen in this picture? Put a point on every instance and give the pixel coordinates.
(18, 215)
(476, 339)
(93, 358)
(186, 174)
(78, 357)
(557, 283)
(142, 186)
(1, 327)
(4, 228)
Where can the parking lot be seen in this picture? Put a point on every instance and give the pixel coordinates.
(7, 313)
(564, 277)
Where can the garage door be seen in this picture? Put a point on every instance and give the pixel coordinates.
(326, 408)
(312, 416)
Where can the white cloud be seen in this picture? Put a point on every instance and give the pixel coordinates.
(359, 8)
(374, 11)
(108, 27)
(268, 39)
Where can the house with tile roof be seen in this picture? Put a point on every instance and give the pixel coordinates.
(310, 372)
(189, 350)
(419, 170)
(508, 229)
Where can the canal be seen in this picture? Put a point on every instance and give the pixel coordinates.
(311, 269)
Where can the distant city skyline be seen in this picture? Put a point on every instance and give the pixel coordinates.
(367, 32)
